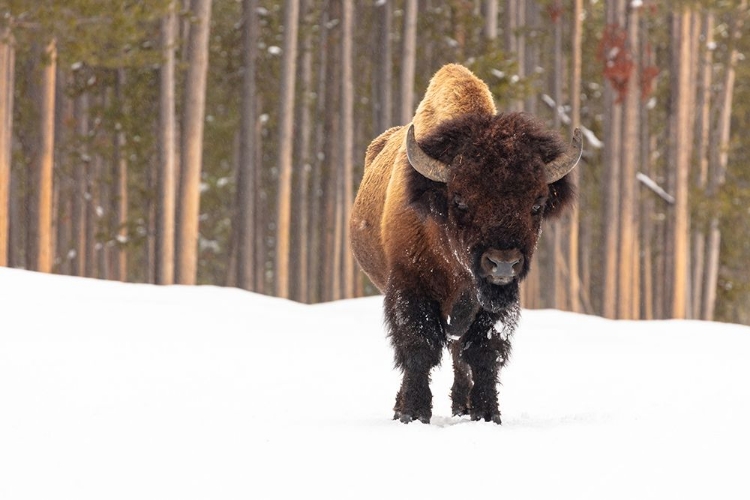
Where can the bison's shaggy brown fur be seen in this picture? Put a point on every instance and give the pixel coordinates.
(449, 249)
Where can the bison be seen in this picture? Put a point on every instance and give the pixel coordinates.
(445, 224)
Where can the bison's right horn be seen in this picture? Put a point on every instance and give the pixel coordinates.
(559, 168)
(433, 169)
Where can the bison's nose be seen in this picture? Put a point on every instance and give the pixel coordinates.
(501, 266)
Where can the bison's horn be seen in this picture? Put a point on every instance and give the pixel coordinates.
(559, 168)
(431, 168)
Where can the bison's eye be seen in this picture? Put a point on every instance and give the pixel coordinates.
(538, 206)
(459, 202)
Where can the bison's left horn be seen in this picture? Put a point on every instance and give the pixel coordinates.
(433, 169)
(559, 168)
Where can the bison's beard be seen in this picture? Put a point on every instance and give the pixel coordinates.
(498, 299)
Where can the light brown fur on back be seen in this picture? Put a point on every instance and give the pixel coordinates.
(453, 91)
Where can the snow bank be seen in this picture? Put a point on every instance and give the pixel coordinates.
(111, 390)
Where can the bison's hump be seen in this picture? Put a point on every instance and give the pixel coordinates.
(454, 90)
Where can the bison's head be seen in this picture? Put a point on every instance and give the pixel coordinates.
(491, 181)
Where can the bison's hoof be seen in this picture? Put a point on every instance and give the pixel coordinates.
(460, 410)
(487, 417)
(405, 418)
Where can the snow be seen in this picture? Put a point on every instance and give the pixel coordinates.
(654, 186)
(591, 139)
(123, 391)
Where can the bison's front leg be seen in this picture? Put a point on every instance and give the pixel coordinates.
(418, 338)
(461, 390)
(485, 351)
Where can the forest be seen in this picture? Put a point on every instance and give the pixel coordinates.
(222, 143)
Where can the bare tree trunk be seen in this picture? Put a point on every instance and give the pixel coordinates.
(15, 231)
(574, 280)
(316, 257)
(6, 127)
(514, 16)
(41, 221)
(188, 203)
(121, 192)
(347, 143)
(246, 173)
(611, 215)
(80, 193)
(510, 27)
(408, 61)
(261, 210)
(490, 19)
(330, 253)
(101, 211)
(612, 155)
(721, 157)
(682, 121)
(63, 188)
(303, 130)
(165, 179)
(628, 297)
(92, 199)
(286, 123)
(646, 213)
(559, 226)
(385, 67)
(703, 128)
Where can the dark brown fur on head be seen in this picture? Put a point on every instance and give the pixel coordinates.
(497, 176)
(506, 147)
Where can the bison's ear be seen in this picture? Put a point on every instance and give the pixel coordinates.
(561, 195)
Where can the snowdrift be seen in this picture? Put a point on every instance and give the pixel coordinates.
(123, 391)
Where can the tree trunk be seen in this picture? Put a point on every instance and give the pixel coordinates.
(246, 173)
(702, 136)
(612, 155)
(166, 176)
(81, 112)
(41, 221)
(300, 221)
(574, 279)
(628, 296)
(646, 212)
(188, 203)
(347, 143)
(101, 212)
(490, 19)
(721, 157)
(408, 61)
(92, 199)
(286, 124)
(510, 26)
(63, 188)
(6, 136)
(261, 209)
(120, 264)
(316, 264)
(331, 272)
(384, 75)
(558, 227)
(681, 160)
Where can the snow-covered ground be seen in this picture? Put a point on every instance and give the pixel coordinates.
(121, 391)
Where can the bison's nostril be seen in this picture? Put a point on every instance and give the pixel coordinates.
(501, 264)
